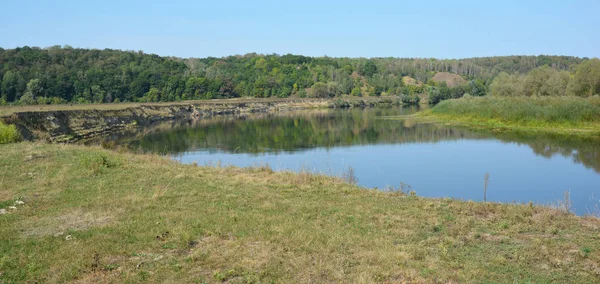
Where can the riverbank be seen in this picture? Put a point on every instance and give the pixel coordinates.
(68, 123)
(88, 214)
(571, 116)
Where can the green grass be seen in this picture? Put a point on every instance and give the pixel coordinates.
(9, 134)
(559, 115)
(95, 215)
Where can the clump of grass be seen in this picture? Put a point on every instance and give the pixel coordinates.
(403, 189)
(9, 134)
(97, 162)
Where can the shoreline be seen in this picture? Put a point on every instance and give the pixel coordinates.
(136, 217)
(427, 116)
(70, 123)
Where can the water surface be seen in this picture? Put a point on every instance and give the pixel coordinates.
(436, 161)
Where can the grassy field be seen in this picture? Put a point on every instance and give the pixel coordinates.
(86, 214)
(560, 115)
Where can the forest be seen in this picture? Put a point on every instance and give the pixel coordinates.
(63, 74)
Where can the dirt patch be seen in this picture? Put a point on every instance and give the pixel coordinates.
(410, 81)
(77, 220)
(452, 80)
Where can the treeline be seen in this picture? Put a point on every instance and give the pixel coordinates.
(583, 81)
(32, 75)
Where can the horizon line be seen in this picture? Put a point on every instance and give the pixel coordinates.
(67, 46)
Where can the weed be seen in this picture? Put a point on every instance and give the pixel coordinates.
(585, 251)
(111, 267)
(566, 204)
(349, 176)
(486, 180)
(95, 262)
(97, 162)
(595, 208)
(404, 189)
(9, 134)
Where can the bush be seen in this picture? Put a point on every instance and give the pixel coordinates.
(436, 96)
(9, 134)
(410, 99)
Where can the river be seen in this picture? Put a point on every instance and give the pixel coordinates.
(435, 161)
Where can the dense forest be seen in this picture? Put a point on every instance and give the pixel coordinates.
(31, 75)
(583, 81)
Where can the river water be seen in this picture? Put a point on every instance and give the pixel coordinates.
(436, 161)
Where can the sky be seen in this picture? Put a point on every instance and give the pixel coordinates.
(187, 28)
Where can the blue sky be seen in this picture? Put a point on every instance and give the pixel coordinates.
(186, 28)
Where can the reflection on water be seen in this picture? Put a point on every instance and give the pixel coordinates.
(435, 160)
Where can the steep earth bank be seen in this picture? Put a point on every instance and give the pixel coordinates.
(75, 124)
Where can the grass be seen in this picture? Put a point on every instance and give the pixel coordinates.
(9, 133)
(95, 215)
(560, 115)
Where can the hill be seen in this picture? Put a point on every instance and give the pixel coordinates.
(410, 81)
(452, 80)
(32, 75)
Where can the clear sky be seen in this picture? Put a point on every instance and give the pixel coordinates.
(187, 28)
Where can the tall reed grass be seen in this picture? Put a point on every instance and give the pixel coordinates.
(525, 110)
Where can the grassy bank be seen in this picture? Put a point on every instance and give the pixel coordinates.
(89, 214)
(561, 115)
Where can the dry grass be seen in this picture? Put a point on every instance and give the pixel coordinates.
(407, 80)
(451, 79)
(148, 219)
(8, 110)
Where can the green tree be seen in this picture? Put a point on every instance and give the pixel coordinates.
(557, 84)
(153, 95)
(10, 83)
(319, 90)
(586, 81)
(97, 94)
(507, 85)
(536, 80)
(33, 90)
(368, 69)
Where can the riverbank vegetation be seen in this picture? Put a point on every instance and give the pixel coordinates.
(545, 99)
(85, 214)
(565, 115)
(55, 75)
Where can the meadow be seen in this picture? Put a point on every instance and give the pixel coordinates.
(84, 214)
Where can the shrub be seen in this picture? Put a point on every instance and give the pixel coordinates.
(9, 134)
(410, 99)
